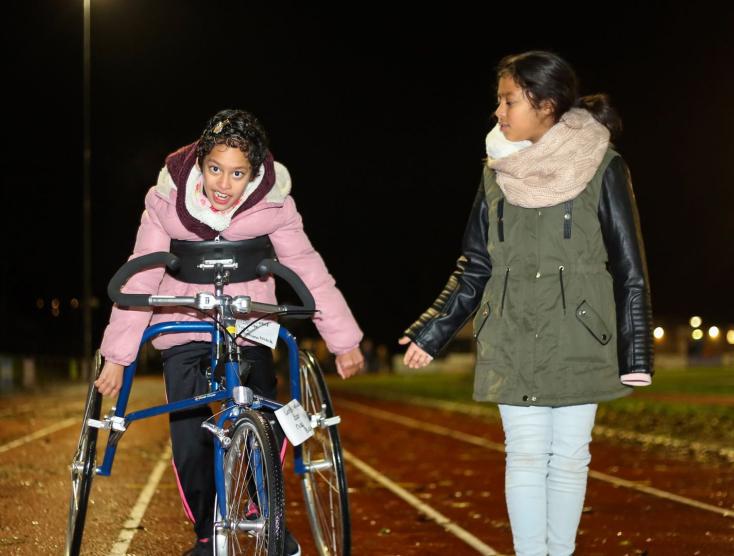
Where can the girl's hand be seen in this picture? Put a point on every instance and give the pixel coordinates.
(415, 357)
(110, 379)
(350, 363)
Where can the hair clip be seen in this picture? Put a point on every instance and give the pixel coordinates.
(220, 126)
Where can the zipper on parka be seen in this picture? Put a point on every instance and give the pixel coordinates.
(563, 291)
(504, 291)
(485, 316)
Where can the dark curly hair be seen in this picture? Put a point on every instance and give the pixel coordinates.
(236, 129)
(545, 76)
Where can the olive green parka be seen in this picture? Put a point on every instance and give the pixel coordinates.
(562, 294)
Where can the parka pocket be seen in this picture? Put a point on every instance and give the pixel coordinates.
(591, 320)
(504, 292)
(587, 332)
(481, 319)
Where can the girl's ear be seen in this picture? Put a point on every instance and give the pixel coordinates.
(547, 107)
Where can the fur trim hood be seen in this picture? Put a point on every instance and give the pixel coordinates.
(181, 173)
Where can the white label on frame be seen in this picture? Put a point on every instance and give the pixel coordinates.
(295, 422)
(264, 331)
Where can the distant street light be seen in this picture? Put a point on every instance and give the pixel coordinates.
(696, 322)
(659, 333)
(730, 336)
(697, 334)
(714, 332)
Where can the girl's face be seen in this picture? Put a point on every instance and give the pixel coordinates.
(518, 119)
(227, 172)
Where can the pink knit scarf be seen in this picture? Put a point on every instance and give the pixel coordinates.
(556, 168)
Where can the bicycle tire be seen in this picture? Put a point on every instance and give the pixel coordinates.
(324, 483)
(83, 466)
(260, 532)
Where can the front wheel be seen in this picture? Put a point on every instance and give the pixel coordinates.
(253, 483)
(84, 465)
(324, 481)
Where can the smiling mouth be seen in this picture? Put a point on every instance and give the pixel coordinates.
(220, 198)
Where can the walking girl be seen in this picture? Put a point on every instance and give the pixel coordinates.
(554, 266)
(225, 186)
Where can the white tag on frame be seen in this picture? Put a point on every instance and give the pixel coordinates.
(295, 422)
(264, 331)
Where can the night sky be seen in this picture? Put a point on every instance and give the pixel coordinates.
(380, 116)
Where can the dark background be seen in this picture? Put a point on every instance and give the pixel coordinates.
(378, 110)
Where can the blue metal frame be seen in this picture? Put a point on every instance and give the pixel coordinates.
(219, 467)
(232, 380)
(295, 384)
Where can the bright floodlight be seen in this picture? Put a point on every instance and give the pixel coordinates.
(697, 334)
(695, 322)
(714, 332)
(659, 333)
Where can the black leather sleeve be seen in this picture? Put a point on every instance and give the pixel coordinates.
(462, 294)
(620, 226)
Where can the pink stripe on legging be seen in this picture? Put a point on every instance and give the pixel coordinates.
(187, 510)
(282, 451)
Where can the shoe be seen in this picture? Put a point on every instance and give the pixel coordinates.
(252, 511)
(292, 548)
(203, 547)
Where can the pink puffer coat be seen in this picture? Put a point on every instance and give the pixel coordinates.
(275, 215)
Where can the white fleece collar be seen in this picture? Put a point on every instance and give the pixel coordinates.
(277, 194)
(202, 209)
(499, 147)
(282, 187)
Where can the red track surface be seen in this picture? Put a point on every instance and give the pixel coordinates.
(462, 481)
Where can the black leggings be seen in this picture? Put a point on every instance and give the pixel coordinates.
(183, 369)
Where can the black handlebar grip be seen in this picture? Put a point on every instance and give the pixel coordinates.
(271, 266)
(132, 267)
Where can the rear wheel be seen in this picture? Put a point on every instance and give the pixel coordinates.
(253, 483)
(324, 482)
(84, 466)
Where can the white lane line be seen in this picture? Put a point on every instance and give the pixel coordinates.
(479, 441)
(133, 521)
(39, 434)
(660, 493)
(422, 507)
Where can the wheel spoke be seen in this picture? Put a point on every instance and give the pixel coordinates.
(250, 486)
(240, 480)
(82, 472)
(324, 483)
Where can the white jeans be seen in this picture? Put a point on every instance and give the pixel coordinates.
(547, 450)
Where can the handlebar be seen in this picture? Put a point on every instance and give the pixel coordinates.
(271, 266)
(134, 266)
(208, 301)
